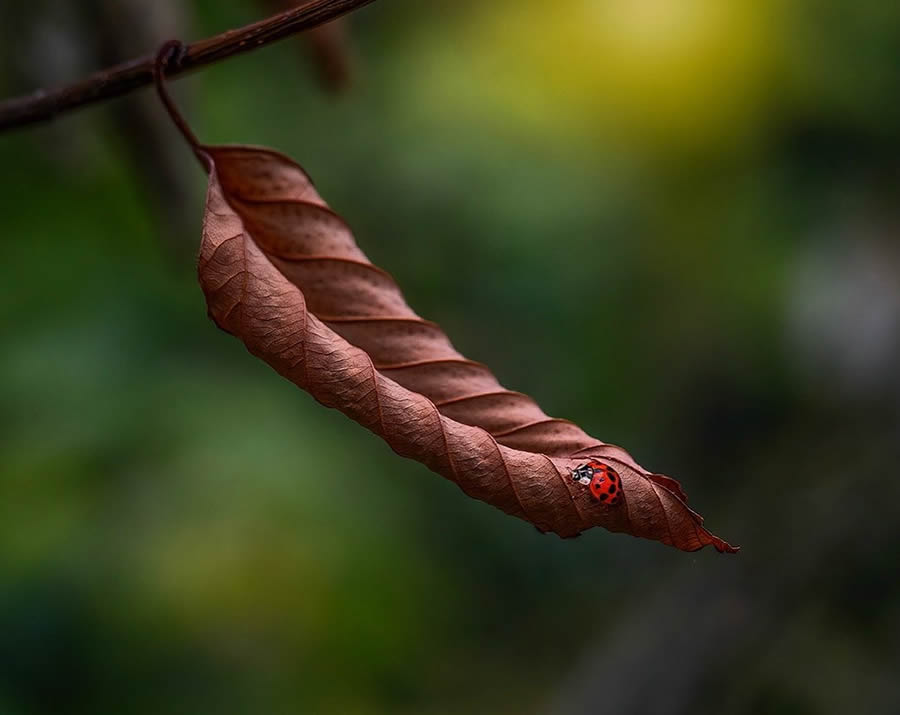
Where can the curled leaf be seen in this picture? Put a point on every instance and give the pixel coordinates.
(282, 272)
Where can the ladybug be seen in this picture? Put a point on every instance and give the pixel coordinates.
(604, 482)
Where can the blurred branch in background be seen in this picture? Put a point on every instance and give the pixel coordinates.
(328, 45)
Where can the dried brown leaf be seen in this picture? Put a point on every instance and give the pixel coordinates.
(282, 272)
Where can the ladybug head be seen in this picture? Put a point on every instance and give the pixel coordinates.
(583, 474)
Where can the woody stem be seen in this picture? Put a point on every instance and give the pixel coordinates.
(44, 105)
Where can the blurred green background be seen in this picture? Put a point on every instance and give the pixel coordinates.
(674, 222)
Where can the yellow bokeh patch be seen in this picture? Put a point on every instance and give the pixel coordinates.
(654, 73)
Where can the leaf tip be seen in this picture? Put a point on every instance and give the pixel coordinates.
(723, 547)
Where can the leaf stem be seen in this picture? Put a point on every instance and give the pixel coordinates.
(169, 55)
(44, 105)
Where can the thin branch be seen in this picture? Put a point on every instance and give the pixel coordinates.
(44, 105)
(169, 53)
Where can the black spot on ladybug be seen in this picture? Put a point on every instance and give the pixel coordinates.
(612, 476)
(612, 489)
(603, 497)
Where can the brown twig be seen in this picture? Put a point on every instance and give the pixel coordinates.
(44, 105)
(168, 56)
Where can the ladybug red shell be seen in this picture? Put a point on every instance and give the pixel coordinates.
(603, 481)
